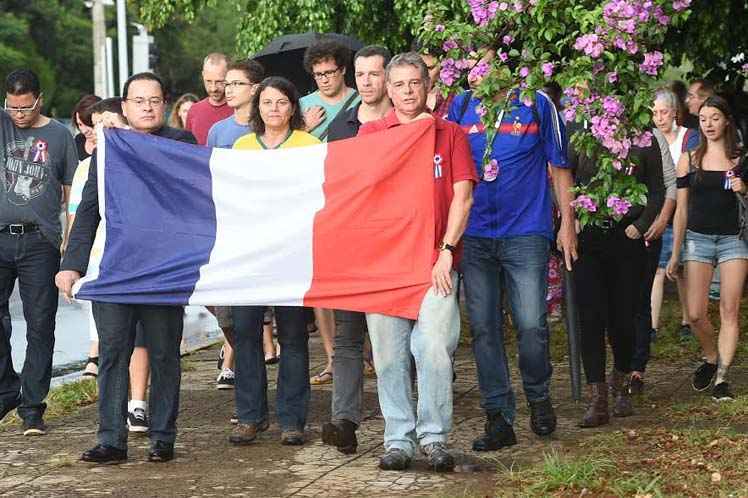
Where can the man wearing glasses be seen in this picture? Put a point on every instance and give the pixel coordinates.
(242, 79)
(143, 106)
(326, 62)
(213, 108)
(38, 159)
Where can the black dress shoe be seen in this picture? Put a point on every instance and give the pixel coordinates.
(542, 417)
(161, 452)
(394, 459)
(498, 434)
(342, 435)
(104, 454)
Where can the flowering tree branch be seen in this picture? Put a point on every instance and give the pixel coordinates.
(605, 55)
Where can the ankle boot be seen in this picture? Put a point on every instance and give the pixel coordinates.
(619, 388)
(597, 411)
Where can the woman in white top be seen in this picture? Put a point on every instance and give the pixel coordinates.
(664, 114)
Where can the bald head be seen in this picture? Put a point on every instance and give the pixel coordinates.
(215, 66)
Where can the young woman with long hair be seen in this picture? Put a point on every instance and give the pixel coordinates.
(710, 179)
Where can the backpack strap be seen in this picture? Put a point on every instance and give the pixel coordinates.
(323, 135)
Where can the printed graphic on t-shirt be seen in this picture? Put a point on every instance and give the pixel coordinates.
(26, 170)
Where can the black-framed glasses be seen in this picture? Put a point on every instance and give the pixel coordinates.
(141, 102)
(22, 110)
(325, 74)
(236, 84)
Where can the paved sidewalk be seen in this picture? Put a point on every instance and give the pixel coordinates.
(207, 465)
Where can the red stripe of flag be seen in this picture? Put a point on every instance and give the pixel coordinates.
(374, 238)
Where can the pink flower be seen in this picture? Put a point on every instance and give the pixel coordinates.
(481, 110)
(590, 45)
(449, 73)
(613, 106)
(524, 71)
(612, 77)
(503, 56)
(643, 140)
(439, 28)
(503, 6)
(619, 206)
(584, 202)
(507, 39)
(679, 5)
(479, 71)
(548, 69)
(518, 6)
(449, 45)
(652, 62)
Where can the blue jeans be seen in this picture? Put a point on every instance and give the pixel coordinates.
(292, 394)
(432, 340)
(34, 261)
(162, 334)
(519, 265)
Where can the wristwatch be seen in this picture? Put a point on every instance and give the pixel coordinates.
(448, 247)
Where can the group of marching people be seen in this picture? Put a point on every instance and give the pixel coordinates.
(494, 224)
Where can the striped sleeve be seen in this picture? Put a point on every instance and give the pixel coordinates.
(668, 167)
(552, 130)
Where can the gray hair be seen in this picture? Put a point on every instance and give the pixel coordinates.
(667, 97)
(409, 59)
(215, 59)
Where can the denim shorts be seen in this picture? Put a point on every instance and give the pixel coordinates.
(667, 247)
(713, 249)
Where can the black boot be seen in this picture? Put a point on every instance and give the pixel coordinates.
(498, 434)
(542, 417)
(342, 435)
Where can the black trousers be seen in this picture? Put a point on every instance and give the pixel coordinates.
(643, 337)
(162, 334)
(608, 276)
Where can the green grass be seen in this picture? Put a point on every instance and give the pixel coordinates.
(561, 472)
(62, 401)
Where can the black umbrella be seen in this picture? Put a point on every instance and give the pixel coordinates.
(284, 56)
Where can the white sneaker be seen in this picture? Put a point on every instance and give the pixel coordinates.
(137, 421)
(225, 379)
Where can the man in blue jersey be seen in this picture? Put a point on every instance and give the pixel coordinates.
(507, 246)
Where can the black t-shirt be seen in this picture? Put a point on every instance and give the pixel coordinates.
(712, 208)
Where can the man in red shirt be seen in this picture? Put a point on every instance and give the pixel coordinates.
(213, 108)
(432, 338)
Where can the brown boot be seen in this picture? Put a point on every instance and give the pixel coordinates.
(597, 411)
(619, 389)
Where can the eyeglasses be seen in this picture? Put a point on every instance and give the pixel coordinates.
(22, 110)
(232, 84)
(153, 101)
(325, 74)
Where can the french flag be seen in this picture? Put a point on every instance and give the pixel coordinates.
(343, 225)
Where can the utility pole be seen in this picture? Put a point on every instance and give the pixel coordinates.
(99, 36)
(124, 72)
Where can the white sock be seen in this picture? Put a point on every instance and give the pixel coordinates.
(136, 403)
(721, 373)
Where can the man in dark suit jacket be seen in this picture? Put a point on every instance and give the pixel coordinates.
(143, 106)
